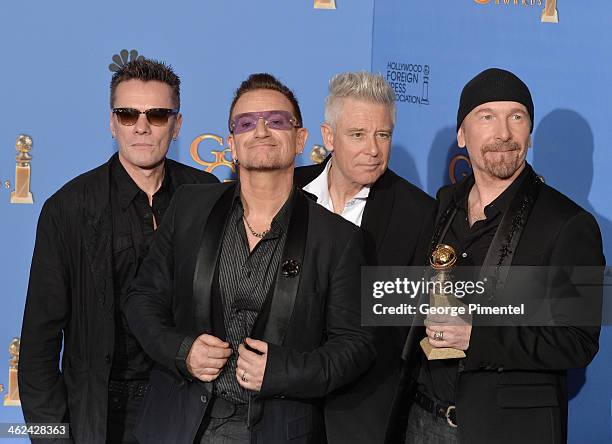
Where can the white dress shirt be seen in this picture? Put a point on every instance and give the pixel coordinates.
(353, 210)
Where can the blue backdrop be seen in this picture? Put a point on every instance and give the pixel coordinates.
(56, 58)
(55, 78)
(430, 49)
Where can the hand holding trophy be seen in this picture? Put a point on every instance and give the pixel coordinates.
(441, 303)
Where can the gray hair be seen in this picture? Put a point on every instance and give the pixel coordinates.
(360, 85)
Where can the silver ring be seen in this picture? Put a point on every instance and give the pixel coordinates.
(438, 336)
(243, 377)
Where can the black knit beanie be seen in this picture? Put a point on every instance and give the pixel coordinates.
(493, 85)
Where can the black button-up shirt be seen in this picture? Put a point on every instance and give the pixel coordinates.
(133, 232)
(438, 377)
(245, 279)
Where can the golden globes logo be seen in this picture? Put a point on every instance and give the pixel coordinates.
(459, 167)
(219, 156)
(549, 13)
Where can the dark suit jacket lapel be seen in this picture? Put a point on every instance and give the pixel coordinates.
(304, 175)
(273, 320)
(206, 261)
(505, 242)
(377, 214)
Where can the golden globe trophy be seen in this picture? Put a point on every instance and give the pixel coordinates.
(318, 154)
(22, 194)
(12, 397)
(442, 261)
(550, 14)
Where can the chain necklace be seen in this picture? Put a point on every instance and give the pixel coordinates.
(253, 232)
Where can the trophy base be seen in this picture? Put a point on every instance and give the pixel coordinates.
(21, 200)
(550, 18)
(8, 402)
(325, 4)
(434, 353)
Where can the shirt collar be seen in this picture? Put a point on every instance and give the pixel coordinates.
(128, 190)
(280, 222)
(501, 202)
(320, 188)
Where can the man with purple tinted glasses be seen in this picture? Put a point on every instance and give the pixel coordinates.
(276, 119)
(248, 301)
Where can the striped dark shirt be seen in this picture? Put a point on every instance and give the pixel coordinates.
(245, 279)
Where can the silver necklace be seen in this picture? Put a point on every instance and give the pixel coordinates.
(253, 232)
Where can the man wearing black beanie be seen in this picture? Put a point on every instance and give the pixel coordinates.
(511, 385)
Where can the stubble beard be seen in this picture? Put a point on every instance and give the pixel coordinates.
(271, 162)
(508, 164)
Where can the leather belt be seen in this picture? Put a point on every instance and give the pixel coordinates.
(441, 410)
(129, 389)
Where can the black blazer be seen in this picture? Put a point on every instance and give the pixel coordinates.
(396, 216)
(513, 384)
(311, 322)
(70, 297)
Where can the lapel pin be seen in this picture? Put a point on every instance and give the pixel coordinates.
(291, 268)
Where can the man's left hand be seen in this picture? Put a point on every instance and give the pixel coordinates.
(454, 336)
(251, 365)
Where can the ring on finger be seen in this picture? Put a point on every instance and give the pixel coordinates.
(438, 336)
(243, 377)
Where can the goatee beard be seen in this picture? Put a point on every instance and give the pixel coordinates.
(503, 169)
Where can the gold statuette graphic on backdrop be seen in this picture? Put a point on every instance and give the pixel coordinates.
(318, 154)
(550, 14)
(12, 397)
(325, 4)
(22, 194)
(442, 261)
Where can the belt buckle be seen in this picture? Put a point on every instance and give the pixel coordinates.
(451, 410)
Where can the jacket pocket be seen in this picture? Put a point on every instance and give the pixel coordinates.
(525, 396)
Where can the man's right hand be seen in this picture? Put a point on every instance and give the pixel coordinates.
(207, 357)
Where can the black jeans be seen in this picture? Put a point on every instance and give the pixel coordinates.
(228, 430)
(123, 412)
(425, 428)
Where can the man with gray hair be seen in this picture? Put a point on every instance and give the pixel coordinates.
(355, 182)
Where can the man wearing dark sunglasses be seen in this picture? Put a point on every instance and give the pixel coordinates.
(249, 300)
(92, 237)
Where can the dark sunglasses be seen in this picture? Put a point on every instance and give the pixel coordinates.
(277, 119)
(155, 116)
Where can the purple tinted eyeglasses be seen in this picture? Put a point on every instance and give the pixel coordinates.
(276, 119)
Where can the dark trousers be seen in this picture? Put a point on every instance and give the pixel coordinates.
(122, 415)
(124, 401)
(225, 423)
(425, 428)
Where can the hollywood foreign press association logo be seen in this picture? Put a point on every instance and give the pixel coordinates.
(123, 58)
(410, 81)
